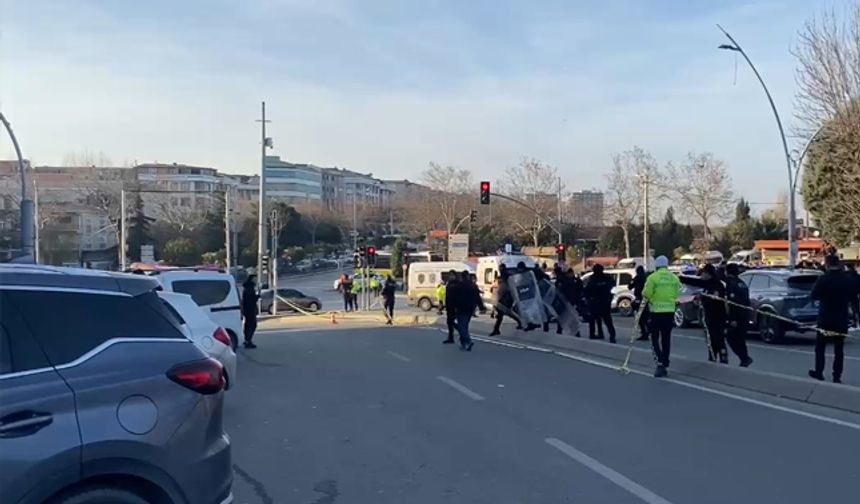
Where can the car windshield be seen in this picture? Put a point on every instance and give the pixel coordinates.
(802, 282)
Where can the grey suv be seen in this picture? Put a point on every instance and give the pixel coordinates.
(785, 293)
(102, 398)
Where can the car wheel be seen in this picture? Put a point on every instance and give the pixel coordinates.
(313, 306)
(425, 304)
(680, 320)
(102, 495)
(770, 329)
(625, 307)
(271, 309)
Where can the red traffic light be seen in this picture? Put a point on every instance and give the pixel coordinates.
(371, 250)
(559, 248)
(485, 186)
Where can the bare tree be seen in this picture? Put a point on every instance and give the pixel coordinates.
(624, 189)
(451, 192)
(536, 185)
(703, 188)
(828, 73)
(170, 211)
(86, 158)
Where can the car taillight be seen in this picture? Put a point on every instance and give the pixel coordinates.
(221, 335)
(204, 376)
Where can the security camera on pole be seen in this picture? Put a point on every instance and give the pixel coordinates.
(261, 206)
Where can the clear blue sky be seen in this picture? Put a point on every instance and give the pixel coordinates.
(387, 86)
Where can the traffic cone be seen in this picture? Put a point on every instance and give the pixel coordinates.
(333, 318)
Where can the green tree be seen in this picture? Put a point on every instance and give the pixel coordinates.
(831, 184)
(138, 229)
(669, 235)
(741, 231)
(397, 252)
(181, 252)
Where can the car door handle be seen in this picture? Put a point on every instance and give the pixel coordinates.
(24, 423)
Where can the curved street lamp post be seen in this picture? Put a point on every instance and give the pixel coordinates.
(792, 183)
(27, 207)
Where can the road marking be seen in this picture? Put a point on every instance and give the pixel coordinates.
(461, 388)
(607, 472)
(729, 395)
(398, 356)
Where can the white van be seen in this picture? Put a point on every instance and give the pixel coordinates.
(634, 262)
(424, 277)
(214, 291)
(489, 266)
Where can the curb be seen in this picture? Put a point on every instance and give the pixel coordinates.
(831, 395)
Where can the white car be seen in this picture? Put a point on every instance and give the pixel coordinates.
(212, 290)
(200, 329)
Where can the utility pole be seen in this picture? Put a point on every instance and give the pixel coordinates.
(228, 246)
(122, 219)
(37, 220)
(27, 224)
(646, 245)
(559, 210)
(261, 207)
(354, 223)
(276, 228)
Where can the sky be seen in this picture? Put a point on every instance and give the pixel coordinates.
(389, 86)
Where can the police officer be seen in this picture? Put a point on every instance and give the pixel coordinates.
(249, 309)
(388, 297)
(738, 314)
(450, 310)
(661, 291)
(598, 293)
(637, 285)
(463, 299)
(504, 300)
(834, 290)
(440, 297)
(713, 310)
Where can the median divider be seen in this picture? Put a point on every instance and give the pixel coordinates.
(844, 397)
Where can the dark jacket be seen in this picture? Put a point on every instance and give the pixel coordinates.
(637, 285)
(388, 291)
(598, 290)
(835, 291)
(463, 297)
(738, 293)
(249, 300)
(715, 309)
(570, 288)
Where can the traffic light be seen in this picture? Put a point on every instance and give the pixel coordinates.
(265, 265)
(559, 252)
(371, 256)
(473, 216)
(485, 192)
(356, 260)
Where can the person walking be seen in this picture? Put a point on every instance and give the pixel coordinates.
(738, 310)
(345, 288)
(450, 311)
(598, 293)
(464, 298)
(834, 291)
(249, 310)
(388, 297)
(375, 285)
(713, 301)
(661, 292)
(440, 297)
(353, 294)
(503, 300)
(637, 285)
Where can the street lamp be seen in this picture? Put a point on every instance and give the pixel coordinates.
(792, 216)
(27, 207)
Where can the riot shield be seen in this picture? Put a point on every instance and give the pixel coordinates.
(562, 310)
(529, 304)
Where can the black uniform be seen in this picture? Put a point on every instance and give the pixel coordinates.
(346, 290)
(598, 293)
(714, 311)
(835, 290)
(637, 285)
(504, 303)
(450, 309)
(738, 318)
(388, 297)
(249, 311)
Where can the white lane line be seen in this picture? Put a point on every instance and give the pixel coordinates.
(466, 391)
(729, 395)
(398, 356)
(607, 472)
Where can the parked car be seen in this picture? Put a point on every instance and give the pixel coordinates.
(622, 296)
(304, 265)
(212, 290)
(199, 328)
(303, 301)
(688, 312)
(785, 293)
(103, 398)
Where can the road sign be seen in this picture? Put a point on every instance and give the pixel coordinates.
(508, 248)
(458, 247)
(147, 254)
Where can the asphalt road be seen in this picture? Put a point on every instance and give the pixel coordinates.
(321, 285)
(390, 415)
